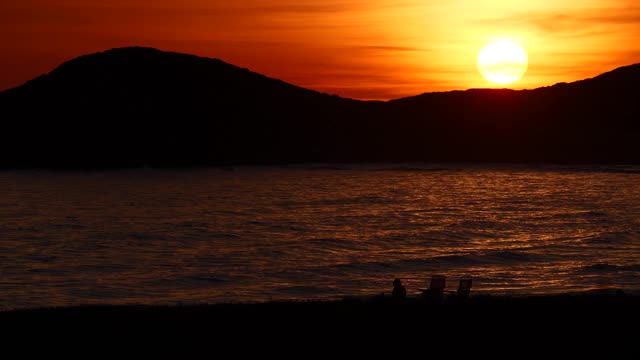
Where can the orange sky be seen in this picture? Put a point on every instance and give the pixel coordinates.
(366, 49)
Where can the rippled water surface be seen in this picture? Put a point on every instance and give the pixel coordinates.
(254, 234)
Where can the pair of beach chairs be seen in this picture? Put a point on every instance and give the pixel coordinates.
(436, 292)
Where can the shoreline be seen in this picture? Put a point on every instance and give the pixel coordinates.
(343, 307)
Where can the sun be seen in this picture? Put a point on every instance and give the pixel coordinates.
(502, 62)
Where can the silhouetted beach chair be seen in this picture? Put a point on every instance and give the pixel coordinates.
(436, 288)
(464, 288)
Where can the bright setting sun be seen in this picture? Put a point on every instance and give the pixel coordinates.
(502, 62)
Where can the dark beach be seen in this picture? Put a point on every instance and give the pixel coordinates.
(602, 315)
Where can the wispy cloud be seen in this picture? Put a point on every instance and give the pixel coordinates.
(580, 22)
(310, 8)
(389, 48)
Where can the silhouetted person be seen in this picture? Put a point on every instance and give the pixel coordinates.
(399, 292)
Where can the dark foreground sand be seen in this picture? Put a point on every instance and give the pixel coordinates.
(583, 324)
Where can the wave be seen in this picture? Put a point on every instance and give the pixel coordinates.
(576, 214)
(207, 278)
(333, 243)
(436, 262)
(366, 200)
(318, 248)
(303, 290)
(483, 225)
(63, 226)
(173, 281)
(500, 256)
(354, 200)
(409, 167)
(606, 267)
(615, 169)
(609, 238)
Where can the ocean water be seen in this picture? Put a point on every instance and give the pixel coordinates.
(314, 232)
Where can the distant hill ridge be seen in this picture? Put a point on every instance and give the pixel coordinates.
(138, 106)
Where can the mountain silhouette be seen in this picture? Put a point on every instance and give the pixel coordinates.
(131, 107)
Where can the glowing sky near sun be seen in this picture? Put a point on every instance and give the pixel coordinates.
(367, 49)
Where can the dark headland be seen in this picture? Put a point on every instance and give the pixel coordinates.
(132, 107)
